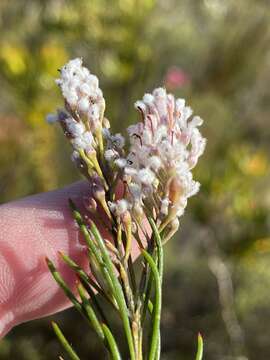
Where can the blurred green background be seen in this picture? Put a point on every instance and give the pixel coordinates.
(215, 53)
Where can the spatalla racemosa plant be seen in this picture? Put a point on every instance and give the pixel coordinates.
(140, 186)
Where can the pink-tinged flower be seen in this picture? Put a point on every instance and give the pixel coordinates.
(176, 78)
(164, 148)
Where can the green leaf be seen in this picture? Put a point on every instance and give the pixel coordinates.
(146, 295)
(58, 278)
(118, 291)
(199, 354)
(94, 251)
(81, 273)
(154, 342)
(90, 313)
(115, 355)
(88, 283)
(160, 257)
(72, 354)
(159, 247)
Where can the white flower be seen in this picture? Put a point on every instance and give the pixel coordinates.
(119, 207)
(83, 142)
(110, 154)
(135, 190)
(154, 163)
(75, 156)
(148, 99)
(85, 89)
(83, 104)
(146, 176)
(161, 101)
(130, 171)
(121, 163)
(76, 129)
(81, 92)
(164, 208)
(94, 112)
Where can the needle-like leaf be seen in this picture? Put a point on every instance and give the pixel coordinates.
(199, 354)
(114, 352)
(72, 354)
(157, 306)
(118, 291)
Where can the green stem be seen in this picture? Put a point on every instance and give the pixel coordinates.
(86, 279)
(147, 279)
(58, 278)
(147, 294)
(80, 307)
(118, 292)
(157, 306)
(115, 355)
(199, 354)
(90, 312)
(81, 273)
(96, 304)
(127, 288)
(160, 268)
(132, 275)
(90, 243)
(72, 354)
(159, 248)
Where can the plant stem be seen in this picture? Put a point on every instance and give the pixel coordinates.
(115, 355)
(199, 354)
(157, 306)
(90, 312)
(72, 354)
(118, 292)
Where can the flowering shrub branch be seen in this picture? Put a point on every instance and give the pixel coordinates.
(144, 179)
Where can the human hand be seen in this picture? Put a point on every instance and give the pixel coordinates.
(32, 229)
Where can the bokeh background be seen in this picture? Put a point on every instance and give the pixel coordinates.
(215, 53)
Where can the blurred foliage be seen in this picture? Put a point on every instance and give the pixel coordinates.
(222, 48)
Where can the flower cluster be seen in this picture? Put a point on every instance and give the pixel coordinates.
(81, 92)
(83, 117)
(163, 148)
